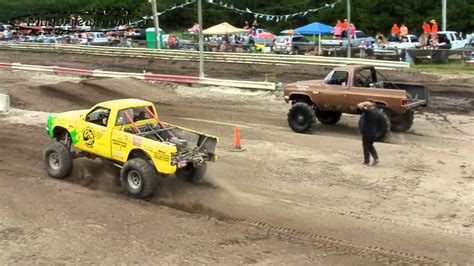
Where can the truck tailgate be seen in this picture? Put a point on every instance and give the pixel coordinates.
(417, 94)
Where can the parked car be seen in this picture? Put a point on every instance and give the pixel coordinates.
(395, 47)
(405, 42)
(359, 37)
(180, 42)
(138, 34)
(451, 40)
(468, 53)
(5, 27)
(292, 44)
(99, 38)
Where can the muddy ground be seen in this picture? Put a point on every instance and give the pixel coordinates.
(287, 199)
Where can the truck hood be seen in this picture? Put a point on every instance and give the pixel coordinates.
(71, 114)
(304, 84)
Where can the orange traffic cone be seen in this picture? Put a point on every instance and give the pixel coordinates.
(237, 139)
(237, 146)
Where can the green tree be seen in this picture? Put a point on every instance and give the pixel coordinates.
(369, 15)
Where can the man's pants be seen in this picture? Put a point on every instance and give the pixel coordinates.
(369, 149)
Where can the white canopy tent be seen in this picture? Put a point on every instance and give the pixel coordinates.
(223, 28)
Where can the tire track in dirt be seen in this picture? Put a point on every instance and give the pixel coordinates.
(340, 247)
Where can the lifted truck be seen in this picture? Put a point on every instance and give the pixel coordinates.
(128, 134)
(343, 89)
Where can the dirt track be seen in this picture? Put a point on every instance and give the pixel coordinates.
(288, 199)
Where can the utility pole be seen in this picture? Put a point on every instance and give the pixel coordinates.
(444, 13)
(349, 29)
(156, 22)
(201, 41)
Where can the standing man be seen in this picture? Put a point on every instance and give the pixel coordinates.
(368, 129)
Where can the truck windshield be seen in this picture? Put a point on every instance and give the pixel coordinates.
(135, 114)
(337, 78)
(98, 116)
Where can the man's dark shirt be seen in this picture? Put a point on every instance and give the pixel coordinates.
(369, 120)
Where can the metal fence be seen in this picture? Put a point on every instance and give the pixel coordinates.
(242, 58)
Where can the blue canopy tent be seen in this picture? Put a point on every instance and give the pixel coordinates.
(315, 28)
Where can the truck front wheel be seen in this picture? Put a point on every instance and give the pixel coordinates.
(404, 122)
(301, 117)
(191, 173)
(138, 178)
(58, 160)
(328, 117)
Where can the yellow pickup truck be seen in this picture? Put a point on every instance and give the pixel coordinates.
(128, 134)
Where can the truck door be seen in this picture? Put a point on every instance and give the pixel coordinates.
(333, 95)
(94, 132)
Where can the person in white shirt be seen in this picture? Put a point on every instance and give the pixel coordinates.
(6, 35)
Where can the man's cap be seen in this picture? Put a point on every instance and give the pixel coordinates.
(433, 21)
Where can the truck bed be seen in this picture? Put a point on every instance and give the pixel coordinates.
(418, 94)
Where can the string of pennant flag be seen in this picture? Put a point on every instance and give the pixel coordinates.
(271, 17)
(256, 15)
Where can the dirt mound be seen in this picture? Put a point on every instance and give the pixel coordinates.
(68, 95)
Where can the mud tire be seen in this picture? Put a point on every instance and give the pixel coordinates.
(58, 160)
(139, 178)
(328, 117)
(383, 126)
(404, 122)
(301, 117)
(192, 174)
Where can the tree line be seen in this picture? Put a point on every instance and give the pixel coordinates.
(371, 16)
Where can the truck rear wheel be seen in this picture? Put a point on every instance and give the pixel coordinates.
(383, 126)
(58, 160)
(301, 117)
(138, 178)
(192, 174)
(328, 117)
(404, 122)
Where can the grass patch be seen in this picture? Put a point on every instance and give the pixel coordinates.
(272, 78)
(454, 66)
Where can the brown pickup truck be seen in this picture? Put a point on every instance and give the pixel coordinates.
(343, 89)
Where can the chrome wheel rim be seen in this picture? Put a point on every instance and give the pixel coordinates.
(54, 161)
(134, 180)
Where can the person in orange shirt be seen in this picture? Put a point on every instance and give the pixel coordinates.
(426, 32)
(434, 33)
(434, 28)
(395, 31)
(345, 25)
(403, 30)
